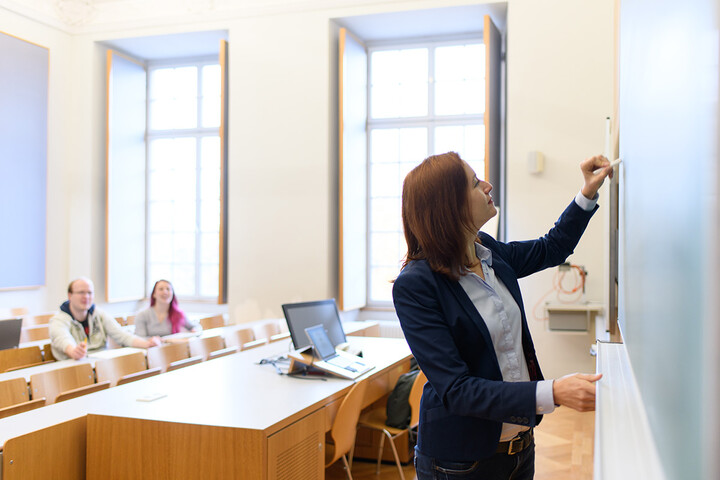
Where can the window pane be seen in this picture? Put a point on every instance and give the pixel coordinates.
(385, 180)
(211, 112)
(183, 279)
(160, 248)
(385, 215)
(173, 95)
(209, 279)
(380, 286)
(184, 216)
(209, 248)
(384, 144)
(160, 216)
(210, 217)
(211, 81)
(399, 83)
(413, 145)
(384, 250)
(459, 79)
(466, 140)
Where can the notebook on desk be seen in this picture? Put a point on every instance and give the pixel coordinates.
(10, 333)
(331, 360)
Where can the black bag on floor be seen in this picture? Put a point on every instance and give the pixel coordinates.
(398, 407)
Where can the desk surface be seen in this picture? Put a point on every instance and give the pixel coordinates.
(232, 391)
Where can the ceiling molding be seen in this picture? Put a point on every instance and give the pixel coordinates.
(97, 16)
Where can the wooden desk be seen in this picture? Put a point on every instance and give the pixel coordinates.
(226, 418)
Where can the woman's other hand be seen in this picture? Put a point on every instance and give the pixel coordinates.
(593, 181)
(576, 391)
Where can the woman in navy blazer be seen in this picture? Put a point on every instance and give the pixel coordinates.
(460, 308)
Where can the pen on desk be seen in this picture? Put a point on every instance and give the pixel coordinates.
(613, 164)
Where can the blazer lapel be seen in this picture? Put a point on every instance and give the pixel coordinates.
(470, 309)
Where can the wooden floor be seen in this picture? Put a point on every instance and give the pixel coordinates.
(563, 443)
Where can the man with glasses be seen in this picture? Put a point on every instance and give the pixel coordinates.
(79, 326)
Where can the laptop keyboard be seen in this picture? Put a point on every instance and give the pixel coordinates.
(340, 362)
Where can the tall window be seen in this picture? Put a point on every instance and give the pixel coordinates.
(424, 99)
(183, 177)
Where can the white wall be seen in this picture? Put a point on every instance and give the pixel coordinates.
(559, 58)
(282, 189)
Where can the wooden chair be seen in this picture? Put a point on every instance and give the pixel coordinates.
(212, 322)
(47, 353)
(239, 337)
(223, 353)
(344, 428)
(130, 320)
(19, 311)
(41, 319)
(53, 383)
(133, 377)
(163, 356)
(14, 398)
(33, 333)
(185, 362)
(267, 329)
(120, 320)
(28, 366)
(13, 391)
(375, 419)
(254, 344)
(15, 357)
(113, 369)
(79, 392)
(205, 346)
(22, 407)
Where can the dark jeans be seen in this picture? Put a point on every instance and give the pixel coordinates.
(500, 466)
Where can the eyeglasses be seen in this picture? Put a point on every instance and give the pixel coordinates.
(84, 292)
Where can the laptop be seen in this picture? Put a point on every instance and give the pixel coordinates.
(300, 316)
(10, 333)
(334, 361)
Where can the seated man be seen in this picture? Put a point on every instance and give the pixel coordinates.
(79, 326)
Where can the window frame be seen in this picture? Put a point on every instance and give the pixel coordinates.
(429, 121)
(198, 133)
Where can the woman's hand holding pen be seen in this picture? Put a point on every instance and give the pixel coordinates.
(593, 180)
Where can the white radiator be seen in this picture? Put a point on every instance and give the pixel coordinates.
(390, 329)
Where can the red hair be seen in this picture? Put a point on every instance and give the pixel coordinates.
(175, 315)
(436, 214)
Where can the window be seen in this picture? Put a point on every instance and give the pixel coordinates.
(184, 177)
(423, 99)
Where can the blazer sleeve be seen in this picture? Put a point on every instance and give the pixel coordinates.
(528, 257)
(416, 296)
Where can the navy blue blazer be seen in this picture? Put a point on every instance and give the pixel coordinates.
(465, 401)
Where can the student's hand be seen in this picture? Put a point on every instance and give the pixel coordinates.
(594, 181)
(154, 342)
(78, 351)
(576, 391)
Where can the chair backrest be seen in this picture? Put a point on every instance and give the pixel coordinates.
(239, 337)
(414, 399)
(164, 355)
(22, 407)
(40, 319)
(267, 329)
(15, 357)
(212, 322)
(130, 320)
(185, 362)
(19, 311)
(345, 424)
(133, 377)
(120, 320)
(205, 346)
(13, 391)
(33, 333)
(47, 353)
(79, 392)
(112, 369)
(223, 353)
(50, 384)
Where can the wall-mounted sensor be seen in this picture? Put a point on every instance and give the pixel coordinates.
(535, 162)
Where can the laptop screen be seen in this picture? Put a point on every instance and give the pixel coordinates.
(320, 341)
(300, 316)
(10, 333)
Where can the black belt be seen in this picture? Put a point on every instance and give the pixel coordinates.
(517, 444)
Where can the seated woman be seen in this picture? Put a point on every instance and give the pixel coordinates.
(163, 317)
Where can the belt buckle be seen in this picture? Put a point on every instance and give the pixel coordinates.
(510, 445)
